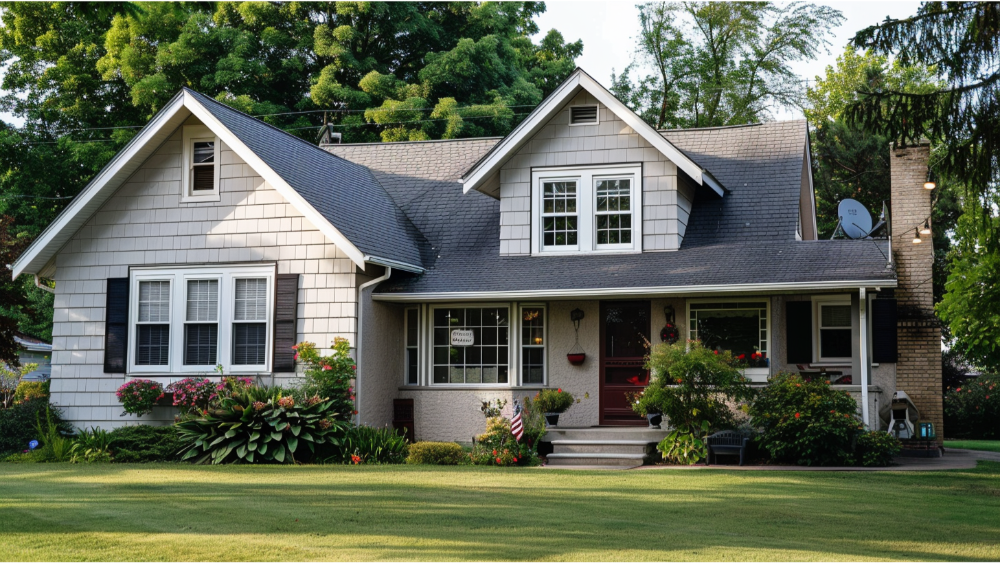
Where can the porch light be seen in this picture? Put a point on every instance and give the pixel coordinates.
(916, 237)
(926, 229)
(930, 184)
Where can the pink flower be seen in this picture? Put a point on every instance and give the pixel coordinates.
(327, 368)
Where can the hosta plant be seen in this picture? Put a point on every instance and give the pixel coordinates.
(259, 425)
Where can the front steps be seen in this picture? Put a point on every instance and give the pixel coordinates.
(613, 446)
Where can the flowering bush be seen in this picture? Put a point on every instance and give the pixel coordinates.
(31, 390)
(193, 395)
(972, 410)
(329, 377)
(553, 401)
(139, 396)
(805, 422)
(497, 446)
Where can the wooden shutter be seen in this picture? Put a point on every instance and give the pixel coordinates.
(884, 343)
(798, 332)
(286, 295)
(116, 326)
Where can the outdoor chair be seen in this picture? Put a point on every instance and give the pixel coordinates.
(726, 442)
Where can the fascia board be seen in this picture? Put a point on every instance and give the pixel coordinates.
(686, 290)
(102, 186)
(277, 182)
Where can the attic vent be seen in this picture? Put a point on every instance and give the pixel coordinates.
(583, 115)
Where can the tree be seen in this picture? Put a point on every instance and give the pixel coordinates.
(961, 41)
(12, 298)
(721, 63)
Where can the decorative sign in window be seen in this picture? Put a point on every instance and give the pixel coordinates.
(463, 337)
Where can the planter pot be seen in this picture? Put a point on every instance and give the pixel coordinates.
(654, 419)
(576, 359)
(552, 419)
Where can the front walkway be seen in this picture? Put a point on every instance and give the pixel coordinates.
(952, 459)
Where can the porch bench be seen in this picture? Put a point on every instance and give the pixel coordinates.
(726, 442)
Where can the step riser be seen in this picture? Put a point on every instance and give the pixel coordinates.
(606, 448)
(616, 462)
(654, 436)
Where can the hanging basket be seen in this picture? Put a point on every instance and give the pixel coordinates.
(576, 359)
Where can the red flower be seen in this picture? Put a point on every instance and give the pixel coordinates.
(498, 461)
(558, 390)
(355, 459)
(494, 452)
(355, 368)
(716, 352)
(355, 412)
(742, 356)
(796, 415)
(959, 389)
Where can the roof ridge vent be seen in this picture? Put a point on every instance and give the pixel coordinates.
(583, 115)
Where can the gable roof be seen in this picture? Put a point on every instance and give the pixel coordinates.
(342, 199)
(481, 172)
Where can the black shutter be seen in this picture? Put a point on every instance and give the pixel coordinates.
(884, 344)
(798, 332)
(286, 296)
(116, 325)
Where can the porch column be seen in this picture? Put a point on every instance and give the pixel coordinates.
(864, 355)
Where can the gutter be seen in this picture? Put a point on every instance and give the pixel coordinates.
(631, 291)
(389, 263)
(357, 378)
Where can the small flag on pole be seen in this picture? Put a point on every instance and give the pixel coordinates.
(516, 424)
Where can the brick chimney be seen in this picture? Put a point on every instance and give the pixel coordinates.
(918, 369)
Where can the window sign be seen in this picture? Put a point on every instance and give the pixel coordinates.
(461, 337)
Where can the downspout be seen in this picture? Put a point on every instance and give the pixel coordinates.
(357, 379)
(42, 286)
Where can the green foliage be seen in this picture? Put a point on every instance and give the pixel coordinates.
(259, 425)
(876, 449)
(691, 385)
(31, 390)
(972, 410)
(139, 396)
(497, 446)
(533, 422)
(329, 377)
(805, 422)
(11, 392)
(91, 446)
(435, 453)
(553, 401)
(685, 445)
(55, 444)
(720, 63)
(13, 303)
(144, 444)
(365, 444)
(18, 424)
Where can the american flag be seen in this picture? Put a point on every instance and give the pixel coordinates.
(516, 425)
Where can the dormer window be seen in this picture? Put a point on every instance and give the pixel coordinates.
(582, 210)
(583, 115)
(201, 157)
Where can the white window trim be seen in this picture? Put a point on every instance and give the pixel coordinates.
(569, 115)
(178, 276)
(586, 206)
(819, 301)
(512, 356)
(545, 343)
(191, 134)
(756, 375)
(406, 345)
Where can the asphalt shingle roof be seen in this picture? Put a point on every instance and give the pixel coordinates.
(760, 165)
(345, 193)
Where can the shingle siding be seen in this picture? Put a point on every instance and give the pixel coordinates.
(611, 141)
(145, 224)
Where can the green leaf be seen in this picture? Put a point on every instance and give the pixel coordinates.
(276, 436)
(279, 454)
(292, 443)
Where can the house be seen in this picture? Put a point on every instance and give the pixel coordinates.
(34, 351)
(455, 268)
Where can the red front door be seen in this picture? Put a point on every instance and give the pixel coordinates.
(624, 342)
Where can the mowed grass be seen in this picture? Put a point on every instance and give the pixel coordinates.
(983, 445)
(182, 512)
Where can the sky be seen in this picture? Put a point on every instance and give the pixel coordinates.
(609, 30)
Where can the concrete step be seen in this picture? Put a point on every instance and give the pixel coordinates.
(610, 459)
(604, 433)
(602, 446)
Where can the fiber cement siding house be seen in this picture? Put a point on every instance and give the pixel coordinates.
(455, 267)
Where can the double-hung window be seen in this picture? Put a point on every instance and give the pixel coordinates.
(578, 210)
(192, 319)
(532, 345)
(201, 151)
(833, 330)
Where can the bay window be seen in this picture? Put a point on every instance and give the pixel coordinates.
(578, 210)
(192, 319)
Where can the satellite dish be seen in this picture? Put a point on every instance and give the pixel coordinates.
(855, 220)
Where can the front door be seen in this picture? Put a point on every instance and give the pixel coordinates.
(624, 345)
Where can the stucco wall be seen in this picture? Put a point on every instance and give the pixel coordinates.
(380, 359)
(666, 206)
(145, 224)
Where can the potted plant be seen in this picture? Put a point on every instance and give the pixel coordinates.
(553, 402)
(645, 408)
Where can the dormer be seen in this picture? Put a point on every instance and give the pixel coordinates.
(584, 174)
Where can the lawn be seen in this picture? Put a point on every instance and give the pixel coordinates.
(181, 512)
(984, 445)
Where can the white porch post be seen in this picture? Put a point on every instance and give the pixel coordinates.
(864, 355)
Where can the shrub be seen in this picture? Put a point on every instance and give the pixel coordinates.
(876, 449)
(192, 395)
(972, 410)
(139, 396)
(18, 425)
(10, 379)
(259, 425)
(329, 377)
(533, 420)
(31, 390)
(497, 446)
(144, 444)
(693, 388)
(435, 453)
(55, 444)
(805, 422)
(553, 401)
(365, 444)
(24, 457)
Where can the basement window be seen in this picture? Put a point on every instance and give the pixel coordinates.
(201, 155)
(583, 115)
